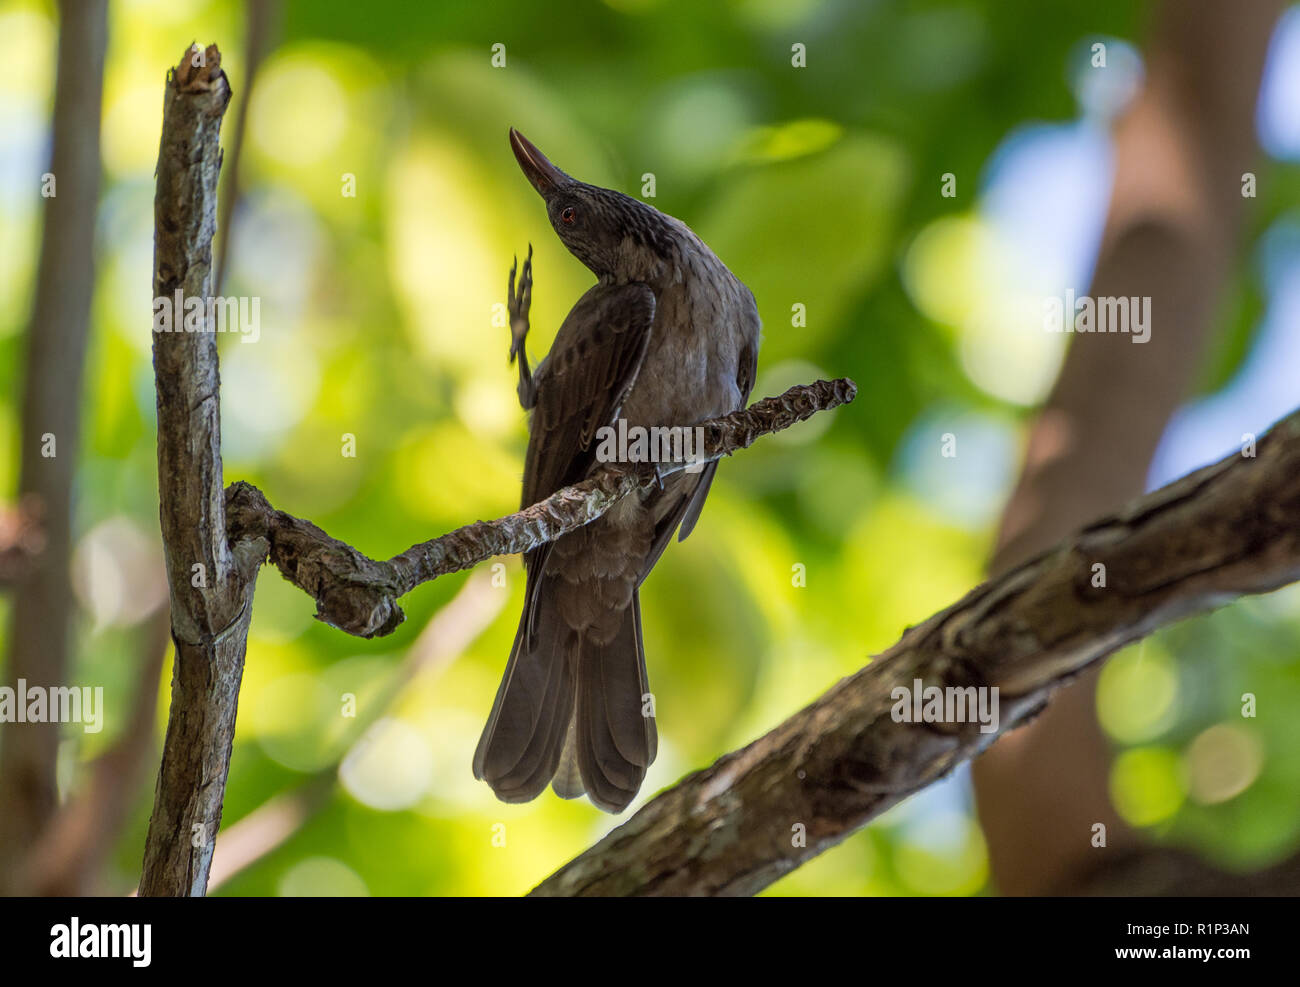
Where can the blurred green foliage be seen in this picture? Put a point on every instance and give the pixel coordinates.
(813, 185)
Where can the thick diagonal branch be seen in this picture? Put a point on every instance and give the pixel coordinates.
(359, 595)
(1227, 530)
(1180, 151)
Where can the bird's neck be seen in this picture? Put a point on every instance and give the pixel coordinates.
(679, 254)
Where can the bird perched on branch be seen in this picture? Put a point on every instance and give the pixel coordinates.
(666, 337)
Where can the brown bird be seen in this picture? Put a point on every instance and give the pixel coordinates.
(666, 337)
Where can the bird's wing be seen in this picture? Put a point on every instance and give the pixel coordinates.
(581, 386)
(746, 371)
(588, 372)
(681, 517)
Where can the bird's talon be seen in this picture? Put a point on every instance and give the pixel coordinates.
(518, 300)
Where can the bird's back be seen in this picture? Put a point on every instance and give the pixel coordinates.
(703, 347)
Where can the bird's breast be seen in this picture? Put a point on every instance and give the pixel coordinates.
(691, 364)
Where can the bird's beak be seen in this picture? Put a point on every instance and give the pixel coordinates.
(543, 175)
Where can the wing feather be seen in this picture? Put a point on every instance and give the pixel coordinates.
(581, 385)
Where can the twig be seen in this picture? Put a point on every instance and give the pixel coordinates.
(359, 595)
(1227, 530)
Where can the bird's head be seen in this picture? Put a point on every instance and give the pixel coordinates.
(614, 235)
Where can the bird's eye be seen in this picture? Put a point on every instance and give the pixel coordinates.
(567, 214)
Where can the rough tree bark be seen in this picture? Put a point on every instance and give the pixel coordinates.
(211, 588)
(1180, 152)
(56, 346)
(756, 814)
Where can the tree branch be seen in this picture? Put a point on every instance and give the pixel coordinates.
(211, 588)
(359, 595)
(1227, 530)
(1171, 227)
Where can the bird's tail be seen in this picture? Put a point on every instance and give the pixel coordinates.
(611, 739)
(571, 709)
(520, 747)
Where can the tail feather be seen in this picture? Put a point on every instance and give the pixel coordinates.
(520, 746)
(569, 712)
(568, 776)
(615, 742)
(538, 763)
(647, 711)
(604, 761)
(529, 787)
(621, 667)
(604, 792)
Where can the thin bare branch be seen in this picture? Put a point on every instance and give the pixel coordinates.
(359, 594)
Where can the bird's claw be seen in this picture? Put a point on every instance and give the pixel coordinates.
(518, 303)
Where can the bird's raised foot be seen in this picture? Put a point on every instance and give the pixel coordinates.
(517, 303)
